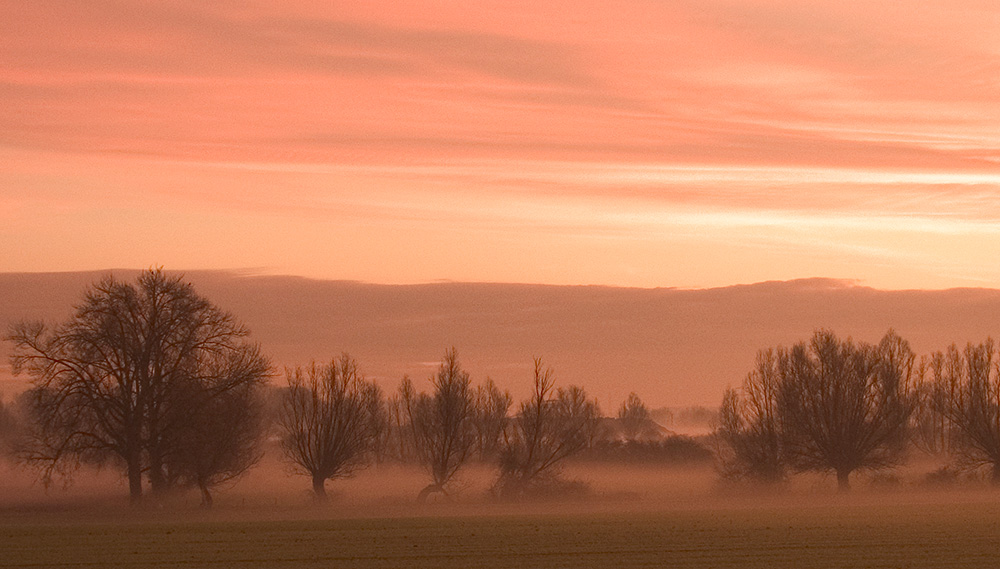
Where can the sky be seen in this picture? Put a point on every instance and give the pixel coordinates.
(645, 143)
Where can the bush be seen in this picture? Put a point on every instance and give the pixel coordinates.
(885, 481)
(676, 450)
(942, 477)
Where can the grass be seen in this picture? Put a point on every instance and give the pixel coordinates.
(868, 534)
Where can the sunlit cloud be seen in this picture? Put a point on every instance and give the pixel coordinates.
(691, 143)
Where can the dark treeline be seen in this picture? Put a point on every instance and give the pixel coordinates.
(152, 379)
(835, 406)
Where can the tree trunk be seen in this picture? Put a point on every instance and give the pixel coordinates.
(134, 480)
(319, 488)
(427, 491)
(157, 480)
(206, 495)
(843, 485)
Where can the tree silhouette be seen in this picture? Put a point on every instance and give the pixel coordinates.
(492, 406)
(106, 383)
(750, 425)
(402, 438)
(326, 424)
(845, 406)
(549, 427)
(932, 431)
(582, 413)
(9, 427)
(444, 424)
(633, 416)
(967, 394)
(219, 441)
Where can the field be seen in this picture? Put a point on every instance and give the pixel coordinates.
(866, 532)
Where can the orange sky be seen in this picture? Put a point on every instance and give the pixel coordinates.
(646, 143)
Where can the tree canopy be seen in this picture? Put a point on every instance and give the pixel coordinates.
(134, 367)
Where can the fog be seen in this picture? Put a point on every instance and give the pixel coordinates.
(272, 492)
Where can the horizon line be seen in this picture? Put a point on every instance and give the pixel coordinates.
(264, 272)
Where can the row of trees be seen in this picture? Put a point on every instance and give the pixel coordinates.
(832, 405)
(152, 378)
(333, 422)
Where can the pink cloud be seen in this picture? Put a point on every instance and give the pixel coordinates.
(615, 134)
(701, 82)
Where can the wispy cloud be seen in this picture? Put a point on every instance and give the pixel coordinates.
(731, 82)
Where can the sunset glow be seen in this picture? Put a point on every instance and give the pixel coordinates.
(638, 143)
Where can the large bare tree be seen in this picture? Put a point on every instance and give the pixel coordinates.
(966, 393)
(328, 430)
(444, 424)
(550, 426)
(106, 383)
(846, 406)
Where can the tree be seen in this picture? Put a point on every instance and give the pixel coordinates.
(400, 411)
(582, 413)
(326, 424)
(750, 425)
(549, 427)
(9, 428)
(379, 421)
(220, 441)
(106, 383)
(492, 406)
(444, 424)
(966, 393)
(933, 433)
(845, 406)
(633, 416)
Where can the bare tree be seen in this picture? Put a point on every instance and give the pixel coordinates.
(379, 420)
(844, 406)
(582, 412)
(327, 429)
(104, 382)
(219, 442)
(967, 395)
(400, 410)
(750, 425)
(9, 428)
(549, 427)
(932, 432)
(492, 406)
(633, 416)
(444, 424)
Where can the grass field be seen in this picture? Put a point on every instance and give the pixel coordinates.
(866, 534)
